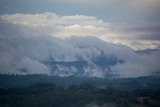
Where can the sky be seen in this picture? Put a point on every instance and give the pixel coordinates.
(32, 31)
(132, 23)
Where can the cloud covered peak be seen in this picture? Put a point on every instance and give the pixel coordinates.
(67, 45)
(24, 53)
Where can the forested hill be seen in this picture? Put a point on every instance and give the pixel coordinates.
(49, 95)
(148, 82)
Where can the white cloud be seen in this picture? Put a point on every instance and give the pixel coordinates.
(29, 39)
(28, 66)
(80, 25)
(140, 65)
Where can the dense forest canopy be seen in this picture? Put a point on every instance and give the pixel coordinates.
(50, 95)
(52, 91)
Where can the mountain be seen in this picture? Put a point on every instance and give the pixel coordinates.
(147, 82)
(97, 66)
(74, 56)
(148, 51)
(93, 57)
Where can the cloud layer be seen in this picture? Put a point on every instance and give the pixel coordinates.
(27, 40)
(142, 36)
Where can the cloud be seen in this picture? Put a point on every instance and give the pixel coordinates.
(135, 69)
(27, 40)
(22, 50)
(28, 66)
(145, 3)
(80, 25)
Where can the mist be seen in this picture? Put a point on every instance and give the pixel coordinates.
(22, 51)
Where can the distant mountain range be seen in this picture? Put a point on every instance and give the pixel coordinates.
(147, 82)
(97, 58)
(147, 51)
(100, 64)
(76, 56)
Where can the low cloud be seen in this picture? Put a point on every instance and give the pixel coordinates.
(80, 25)
(26, 40)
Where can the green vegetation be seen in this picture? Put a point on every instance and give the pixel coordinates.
(129, 84)
(50, 95)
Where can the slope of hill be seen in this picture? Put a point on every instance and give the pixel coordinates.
(149, 82)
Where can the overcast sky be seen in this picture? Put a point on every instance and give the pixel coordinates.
(108, 10)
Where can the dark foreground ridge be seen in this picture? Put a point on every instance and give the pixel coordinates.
(52, 91)
(86, 95)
